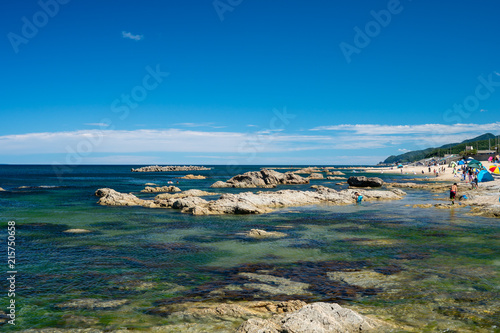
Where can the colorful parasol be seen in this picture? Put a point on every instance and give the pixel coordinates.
(494, 169)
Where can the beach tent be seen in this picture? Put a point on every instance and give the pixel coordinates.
(461, 162)
(400, 166)
(475, 164)
(484, 176)
(494, 169)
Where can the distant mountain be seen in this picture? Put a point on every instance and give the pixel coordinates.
(480, 142)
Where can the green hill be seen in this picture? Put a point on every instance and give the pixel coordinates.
(481, 142)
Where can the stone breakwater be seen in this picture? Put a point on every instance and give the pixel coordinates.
(246, 202)
(156, 168)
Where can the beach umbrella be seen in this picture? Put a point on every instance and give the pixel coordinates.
(461, 162)
(494, 169)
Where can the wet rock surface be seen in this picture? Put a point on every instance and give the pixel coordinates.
(362, 181)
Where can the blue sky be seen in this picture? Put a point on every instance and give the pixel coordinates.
(247, 82)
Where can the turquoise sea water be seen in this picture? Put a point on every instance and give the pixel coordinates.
(427, 269)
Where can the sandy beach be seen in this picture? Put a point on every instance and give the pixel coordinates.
(446, 175)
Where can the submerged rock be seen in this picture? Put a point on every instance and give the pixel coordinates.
(263, 178)
(316, 317)
(1, 189)
(422, 206)
(365, 279)
(77, 231)
(362, 181)
(275, 285)
(149, 189)
(257, 233)
(92, 303)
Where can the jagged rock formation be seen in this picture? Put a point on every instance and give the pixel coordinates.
(264, 178)
(246, 202)
(156, 168)
(316, 317)
(110, 197)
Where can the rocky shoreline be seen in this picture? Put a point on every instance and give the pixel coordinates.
(168, 168)
(293, 316)
(246, 202)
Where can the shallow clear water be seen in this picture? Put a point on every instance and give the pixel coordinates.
(430, 269)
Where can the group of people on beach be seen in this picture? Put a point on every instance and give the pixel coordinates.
(469, 175)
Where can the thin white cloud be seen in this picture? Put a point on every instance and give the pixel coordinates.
(438, 129)
(86, 142)
(211, 125)
(364, 138)
(131, 36)
(97, 124)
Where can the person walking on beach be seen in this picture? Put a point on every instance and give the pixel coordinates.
(474, 183)
(453, 193)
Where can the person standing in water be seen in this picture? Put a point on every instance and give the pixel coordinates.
(453, 193)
